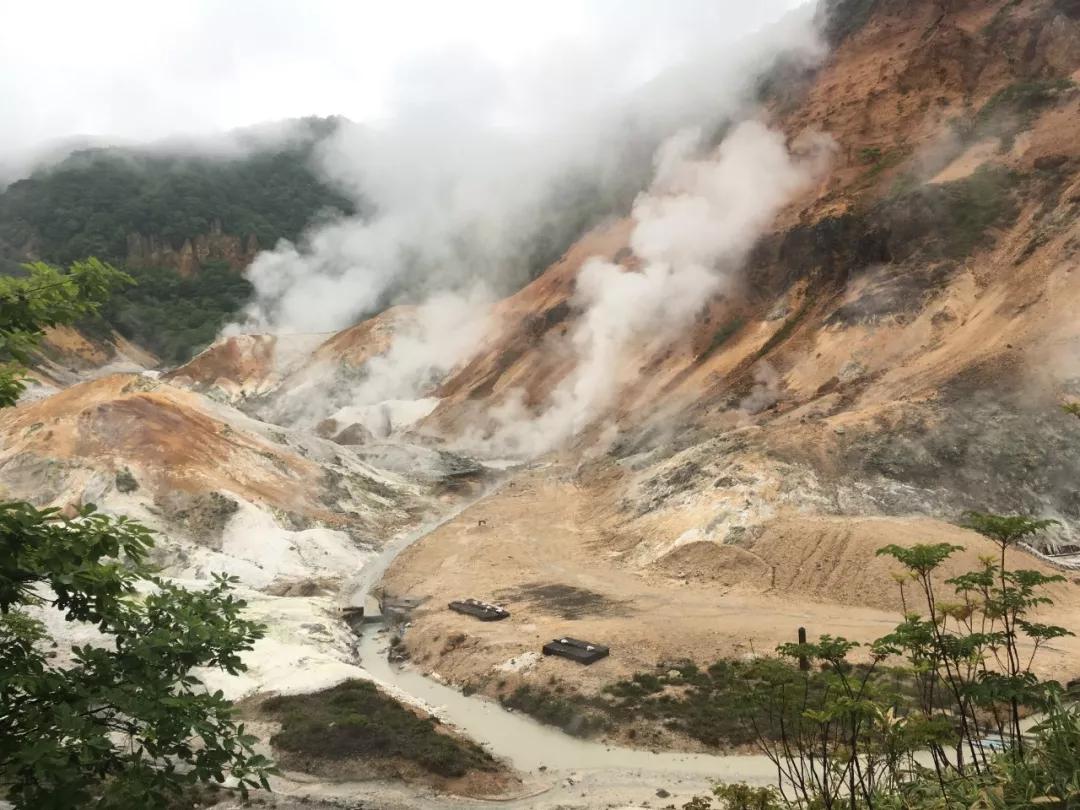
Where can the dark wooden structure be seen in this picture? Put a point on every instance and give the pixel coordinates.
(480, 610)
(584, 652)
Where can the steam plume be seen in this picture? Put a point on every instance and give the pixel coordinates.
(692, 230)
(465, 184)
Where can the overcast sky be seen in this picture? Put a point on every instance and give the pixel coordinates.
(139, 70)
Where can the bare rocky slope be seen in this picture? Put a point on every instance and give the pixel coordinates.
(895, 354)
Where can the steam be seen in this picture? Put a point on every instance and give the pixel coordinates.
(692, 231)
(385, 393)
(481, 177)
(475, 160)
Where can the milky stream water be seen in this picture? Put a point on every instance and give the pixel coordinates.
(516, 738)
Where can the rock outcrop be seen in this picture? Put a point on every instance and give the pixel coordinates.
(215, 246)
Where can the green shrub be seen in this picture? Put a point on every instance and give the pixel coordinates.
(1015, 108)
(785, 331)
(950, 220)
(354, 719)
(572, 713)
(973, 206)
(125, 481)
(880, 162)
(722, 336)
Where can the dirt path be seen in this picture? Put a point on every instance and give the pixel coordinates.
(543, 553)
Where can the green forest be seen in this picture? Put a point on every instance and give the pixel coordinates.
(89, 203)
(172, 316)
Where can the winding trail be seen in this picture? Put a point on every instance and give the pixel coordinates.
(557, 760)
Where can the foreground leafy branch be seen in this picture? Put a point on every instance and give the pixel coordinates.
(46, 296)
(122, 723)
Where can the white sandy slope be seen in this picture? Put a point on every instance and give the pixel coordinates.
(257, 550)
(307, 648)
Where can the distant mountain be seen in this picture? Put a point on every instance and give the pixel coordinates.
(183, 217)
(147, 206)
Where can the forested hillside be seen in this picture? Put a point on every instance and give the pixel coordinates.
(184, 225)
(94, 200)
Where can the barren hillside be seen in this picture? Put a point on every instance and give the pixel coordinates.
(895, 354)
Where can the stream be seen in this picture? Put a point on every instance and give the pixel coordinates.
(528, 745)
(524, 743)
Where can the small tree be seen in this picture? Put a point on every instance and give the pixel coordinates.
(121, 723)
(45, 297)
(863, 736)
(837, 733)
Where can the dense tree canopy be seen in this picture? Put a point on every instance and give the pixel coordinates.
(176, 317)
(123, 722)
(88, 204)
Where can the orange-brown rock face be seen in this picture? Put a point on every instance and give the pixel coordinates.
(234, 250)
(124, 419)
(937, 256)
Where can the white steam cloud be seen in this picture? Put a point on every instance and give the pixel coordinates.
(692, 231)
(480, 178)
(475, 160)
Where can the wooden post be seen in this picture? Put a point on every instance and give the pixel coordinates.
(804, 663)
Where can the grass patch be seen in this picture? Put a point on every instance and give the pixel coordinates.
(950, 220)
(354, 719)
(843, 18)
(785, 331)
(1024, 98)
(572, 713)
(711, 705)
(870, 155)
(880, 161)
(973, 206)
(1014, 109)
(731, 702)
(722, 336)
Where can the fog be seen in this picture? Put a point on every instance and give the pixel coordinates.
(480, 143)
(481, 176)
